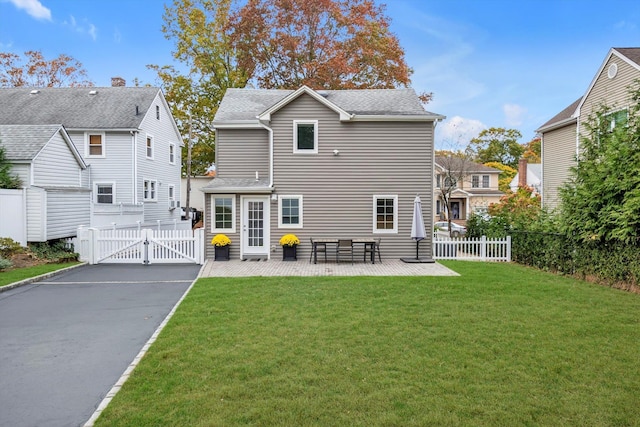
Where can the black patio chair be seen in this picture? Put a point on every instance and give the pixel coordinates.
(318, 247)
(368, 249)
(344, 246)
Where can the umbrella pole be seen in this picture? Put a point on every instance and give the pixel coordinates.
(417, 247)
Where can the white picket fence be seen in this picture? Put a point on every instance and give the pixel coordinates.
(144, 246)
(472, 249)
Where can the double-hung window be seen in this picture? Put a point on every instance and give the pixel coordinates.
(290, 211)
(223, 208)
(385, 214)
(617, 119)
(475, 181)
(485, 181)
(149, 147)
(104, 193)
(149, 190)
(172, 153)
(305, 136)
(95, 145)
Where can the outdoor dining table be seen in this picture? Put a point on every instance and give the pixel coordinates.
(365, 242)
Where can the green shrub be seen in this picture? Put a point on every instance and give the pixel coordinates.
(53, 251)
(9, 247)
(5, 263)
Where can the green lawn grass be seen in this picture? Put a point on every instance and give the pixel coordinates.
(12, 276)
(501, 345)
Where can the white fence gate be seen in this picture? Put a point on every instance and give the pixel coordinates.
(145, 246)
(472, 249)
(13, 215)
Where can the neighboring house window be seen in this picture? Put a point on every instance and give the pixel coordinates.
(105, 193)
(618, 118)
(95, 145)
(149, 189)
(223, 208)
(438, 178)
(290, 212)
(305, 136)
(449, 182)
(485, 181)
(158, 112)
(172, 193)
(385, 214)
(172, 153)
(475, 181)
(438, 208)
(149, 147)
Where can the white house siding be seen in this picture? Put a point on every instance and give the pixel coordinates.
(56, 165)
(159, 168)
(375, 158)
(197, 197)
(66, 211)
(612, 92)
(22, 171)
(558, 156)
(116, 167)
(246, 151)
(36, 214)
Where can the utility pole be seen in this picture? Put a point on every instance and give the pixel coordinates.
(187, 207)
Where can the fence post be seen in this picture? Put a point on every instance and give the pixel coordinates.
(483, 248)
(508, 248)
(92, 245)
(199, 245)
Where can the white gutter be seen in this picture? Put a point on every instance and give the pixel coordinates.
(134, 142)
(270, 153)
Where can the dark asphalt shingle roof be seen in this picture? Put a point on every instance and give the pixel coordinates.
(469, 166)
(246, 104)
(76, 108)
(24, 142)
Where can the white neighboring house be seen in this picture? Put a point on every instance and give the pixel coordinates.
(127, 138)
(56, 194)
(531, 174)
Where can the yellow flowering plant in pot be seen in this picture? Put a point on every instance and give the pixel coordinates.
(289, 243)
(221, 244)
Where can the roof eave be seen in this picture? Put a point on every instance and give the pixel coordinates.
(237, 189)
(396, 118)
(238, 124)
(557, 125)
(265, 116)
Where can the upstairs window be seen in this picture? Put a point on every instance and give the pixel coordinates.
(617, 119)
(485, 181)
(95, 145)
(475, 181)
(149, 190)
(157, 112)
(172, 153)
(305, 136)
(149, 147)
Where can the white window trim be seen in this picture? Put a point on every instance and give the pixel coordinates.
(87, 138)
(113, 192)
(172, 145)
(280, 224)
(169, 188)
(149, 199)
(315, 136)
(213, 213)
(395, 213)
(475, 184)
(153, 147)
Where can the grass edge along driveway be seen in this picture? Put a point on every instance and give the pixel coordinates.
(500, 345)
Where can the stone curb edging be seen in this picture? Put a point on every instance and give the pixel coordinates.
(38, 278)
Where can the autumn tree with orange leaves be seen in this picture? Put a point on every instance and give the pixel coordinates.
(33, 70)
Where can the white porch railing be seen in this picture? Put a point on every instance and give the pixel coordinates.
(472, 249)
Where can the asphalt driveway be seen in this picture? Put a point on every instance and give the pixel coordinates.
(65, 341)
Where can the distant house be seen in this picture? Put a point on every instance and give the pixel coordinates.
(127, 139)
(474, 194)
(335, 163)
(55, 179)
(529, 175)
(561, 134)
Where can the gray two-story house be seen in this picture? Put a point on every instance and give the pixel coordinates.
(129, 148)
(320, 164)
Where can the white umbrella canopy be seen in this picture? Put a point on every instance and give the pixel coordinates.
(417, 226)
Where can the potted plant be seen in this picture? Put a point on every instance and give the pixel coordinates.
(221, 243)
(289, 243)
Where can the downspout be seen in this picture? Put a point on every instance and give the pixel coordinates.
(270, 153)
(134, 142)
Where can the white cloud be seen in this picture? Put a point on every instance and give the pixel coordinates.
(34, 8)
(85, 27)
(514, 114)
(456, 132)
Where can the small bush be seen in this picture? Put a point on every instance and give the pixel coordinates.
(9, 247)
(5, 263)
(53, 251)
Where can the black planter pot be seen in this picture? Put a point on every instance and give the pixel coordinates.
(222, 253)
(290, 253)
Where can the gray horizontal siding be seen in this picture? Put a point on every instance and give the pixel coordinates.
(36, 214)
(243, 152)
(558, 156)
(66, 211)
(56, 165)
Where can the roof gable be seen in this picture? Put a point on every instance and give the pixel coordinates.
(77, 108)
(25, 142)
(266, 115)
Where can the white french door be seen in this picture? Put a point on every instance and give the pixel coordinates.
(255, 226)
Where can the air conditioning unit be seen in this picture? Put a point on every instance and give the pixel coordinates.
(173, 204)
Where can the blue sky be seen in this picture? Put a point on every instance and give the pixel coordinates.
(489, 63)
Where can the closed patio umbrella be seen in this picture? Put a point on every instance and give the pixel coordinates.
(417, 229)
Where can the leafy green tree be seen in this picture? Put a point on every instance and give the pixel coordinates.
(496, 145)
(601, 202)
(506, 175)
(6, 179)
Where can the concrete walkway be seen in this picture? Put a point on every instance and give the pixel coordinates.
(392, 267)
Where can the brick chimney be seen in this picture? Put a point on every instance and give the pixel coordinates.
(118, 82)
(522, 173)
